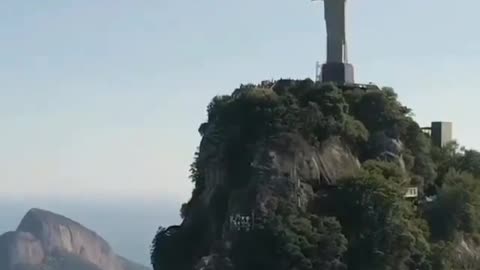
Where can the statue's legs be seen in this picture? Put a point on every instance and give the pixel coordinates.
(335, 51)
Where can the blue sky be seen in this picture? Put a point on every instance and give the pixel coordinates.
(103, 98)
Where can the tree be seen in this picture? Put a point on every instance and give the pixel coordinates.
(456, 208)
(380, 226)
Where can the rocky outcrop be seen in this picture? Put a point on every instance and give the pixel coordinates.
(46, 238)
(287, 167)
(270, 164)
(288, 157)
(213, 262)
(388, 149)
(290, 167)
(466, 253)
(20, 248)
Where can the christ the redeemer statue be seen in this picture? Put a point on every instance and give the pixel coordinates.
(336, 69)
(336, 37)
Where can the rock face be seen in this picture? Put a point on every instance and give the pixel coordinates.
(291, 167)
(288, 161)
(388, 149)
(272, 156)
(287, 167)
(46, 239)
(20, 248)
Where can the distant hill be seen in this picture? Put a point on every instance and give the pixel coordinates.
(136, 221)
(45, 240)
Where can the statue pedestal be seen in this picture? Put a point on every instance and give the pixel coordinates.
(338, 73)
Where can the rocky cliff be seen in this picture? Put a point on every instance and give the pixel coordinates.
(45, 239)
(301, 175)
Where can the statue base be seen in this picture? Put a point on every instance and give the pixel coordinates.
(338, 73)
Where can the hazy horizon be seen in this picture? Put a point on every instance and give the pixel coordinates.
(129, 226)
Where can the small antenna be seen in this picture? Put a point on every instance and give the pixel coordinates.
(318, 70)
(318, 66)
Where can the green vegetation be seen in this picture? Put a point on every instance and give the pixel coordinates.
(364, 222)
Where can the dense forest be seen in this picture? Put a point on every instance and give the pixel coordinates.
(361, 221)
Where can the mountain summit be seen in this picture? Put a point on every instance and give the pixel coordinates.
(296, 174)
(45, 240)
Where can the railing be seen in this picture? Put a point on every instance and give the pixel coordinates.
(241, 222)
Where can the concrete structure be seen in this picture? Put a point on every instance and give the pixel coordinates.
(241, 222)
(412, 192)
(441, 133)
(336, 69)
